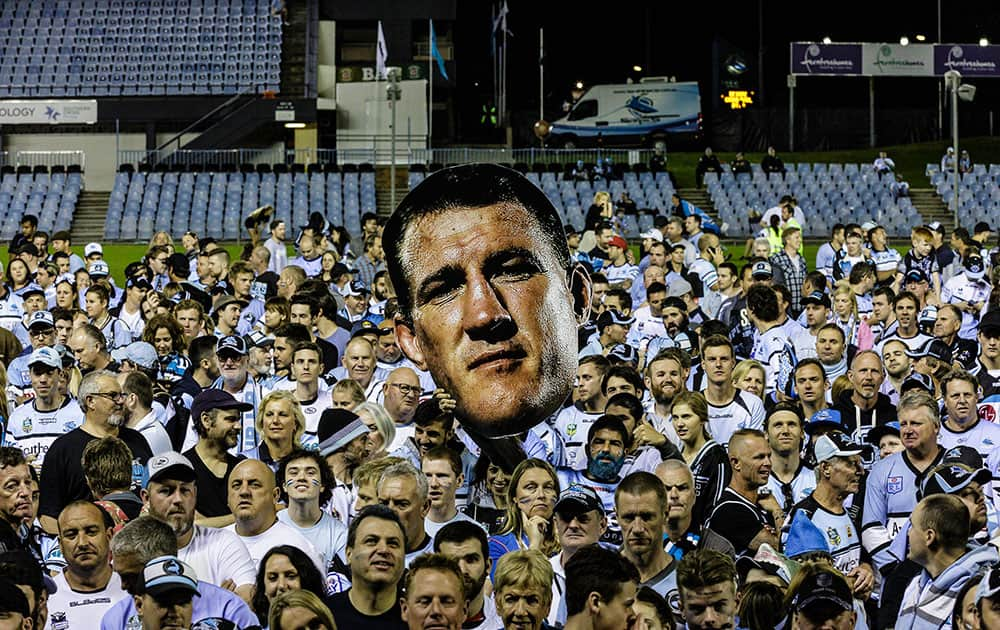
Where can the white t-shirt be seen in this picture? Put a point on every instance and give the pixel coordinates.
(328, 536)
(217, 555)
(744, 411)
(155, 433)
(433, 528)
(278, 534)
(572, 426)
(134, 321)
(645, 327)
(71, 610)
(312, 410)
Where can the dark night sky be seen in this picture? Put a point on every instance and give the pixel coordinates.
(675, 38)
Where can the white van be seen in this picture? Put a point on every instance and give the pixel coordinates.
(635, 114)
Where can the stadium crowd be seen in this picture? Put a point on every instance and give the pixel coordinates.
(381, 438)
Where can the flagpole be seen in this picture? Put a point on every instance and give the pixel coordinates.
(496, 62)
(430, 82)
(503, 79)
(541, 77)
(378, 91)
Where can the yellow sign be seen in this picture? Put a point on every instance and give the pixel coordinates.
(738, 99)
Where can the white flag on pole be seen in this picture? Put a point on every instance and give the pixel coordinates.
(381, 54)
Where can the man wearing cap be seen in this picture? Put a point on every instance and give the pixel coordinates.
(219, 555)
(742, 331)
(62, 478)
(253, 500)
(933, 360)
(891, 487)
(138, 356)
(969, 292)
(823, 599)
(613, 329)
(946, 328)
(166, 593)
(87, 587)
(579, 519)
(235, 380)
(838, 477)
(355, 301)
(144, 539)
(115, 330)
(50, 413)
(938, 539)
(342, 441)
(129, 311)
(642, 510)
(216, 417)
(227, 312)
(42, 333)
(917, 283)
(618, 270)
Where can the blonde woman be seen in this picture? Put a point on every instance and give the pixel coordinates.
(707, 459)
(749, 376)
(381, 429)
(299, 609)
(281, 425)
(531, 499)
(845, 315)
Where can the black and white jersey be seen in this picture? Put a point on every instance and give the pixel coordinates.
(744, 411)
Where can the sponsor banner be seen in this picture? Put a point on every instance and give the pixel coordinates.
(897, 60)
(969, 59)
(354, 74)
(48, 112)
(830, 59)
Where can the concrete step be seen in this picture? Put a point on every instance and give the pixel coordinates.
(88, 220)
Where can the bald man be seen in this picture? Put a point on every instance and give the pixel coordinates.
(253, 499)
(742, 516)
(401, 393)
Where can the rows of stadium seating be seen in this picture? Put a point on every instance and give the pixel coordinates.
(50, 197)
(215, 202)
(978, 192)
(133, 47)
(827, 193)
(650, 191)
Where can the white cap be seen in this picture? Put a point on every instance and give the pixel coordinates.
(654, 234)
(93, 248)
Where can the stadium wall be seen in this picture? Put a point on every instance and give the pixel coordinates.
(99, 150)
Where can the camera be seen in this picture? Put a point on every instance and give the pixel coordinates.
(258, 216)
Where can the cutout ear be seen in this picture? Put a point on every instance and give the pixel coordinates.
(582, 291)
(406, 337)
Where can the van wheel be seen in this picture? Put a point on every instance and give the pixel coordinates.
(569, 143)
(659, 144)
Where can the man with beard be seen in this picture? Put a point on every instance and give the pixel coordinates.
(375, 550)
(343, 437)
(218, 555)
(946, 328)
(235, 380)
(62, 480)
(962, 424)
(741, 516)
(215, 415)
(666, 376)
(675, 321)
(606, 443)
(466, 543)
(897, 368)
(574, 421)
(87, 587)
(864, 406)
(643, 511)
(838, 477)
(260, 357)
(579, 521)
(906, 307)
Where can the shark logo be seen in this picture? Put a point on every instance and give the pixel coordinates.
(52, 114)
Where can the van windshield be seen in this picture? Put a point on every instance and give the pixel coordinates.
(584, 109)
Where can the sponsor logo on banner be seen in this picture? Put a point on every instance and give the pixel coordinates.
(975, 61)
(811, 58)
(48, 112)
(898, 60)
